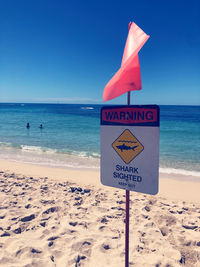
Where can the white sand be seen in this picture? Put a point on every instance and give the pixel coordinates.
(63, 218)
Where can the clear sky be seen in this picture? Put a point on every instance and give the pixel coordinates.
(66, 51)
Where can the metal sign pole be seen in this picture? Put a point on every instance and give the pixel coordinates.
(127, 213)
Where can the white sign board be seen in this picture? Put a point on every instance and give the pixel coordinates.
(130, 147)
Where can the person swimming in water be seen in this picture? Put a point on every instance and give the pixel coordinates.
(27, 125)
(41, 126)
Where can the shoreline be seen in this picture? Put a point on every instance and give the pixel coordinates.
(173, 187)
(47, 157)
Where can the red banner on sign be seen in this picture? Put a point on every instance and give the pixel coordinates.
(130, 115)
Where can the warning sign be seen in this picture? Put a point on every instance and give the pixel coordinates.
(130, 147)
(127, 146)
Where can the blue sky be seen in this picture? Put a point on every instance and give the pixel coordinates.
(66, 51)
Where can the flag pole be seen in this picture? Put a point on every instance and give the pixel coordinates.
(127, 200)
(127, 213)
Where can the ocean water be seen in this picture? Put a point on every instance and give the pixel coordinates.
(70, 137)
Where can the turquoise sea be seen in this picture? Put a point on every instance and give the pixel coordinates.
(70, 137)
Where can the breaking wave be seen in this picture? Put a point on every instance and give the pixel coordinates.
(179, 172)
(87, 108)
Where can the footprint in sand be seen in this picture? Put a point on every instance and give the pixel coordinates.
(83, 247)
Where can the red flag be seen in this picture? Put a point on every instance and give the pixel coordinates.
(128, 77)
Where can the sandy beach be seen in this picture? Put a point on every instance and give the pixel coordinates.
(59, 217)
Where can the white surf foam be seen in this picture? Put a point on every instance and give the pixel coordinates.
(179, 172)
(87, 108)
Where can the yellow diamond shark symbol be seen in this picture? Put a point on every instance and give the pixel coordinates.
(127, 146)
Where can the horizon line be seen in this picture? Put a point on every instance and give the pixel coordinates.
(53, 103)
